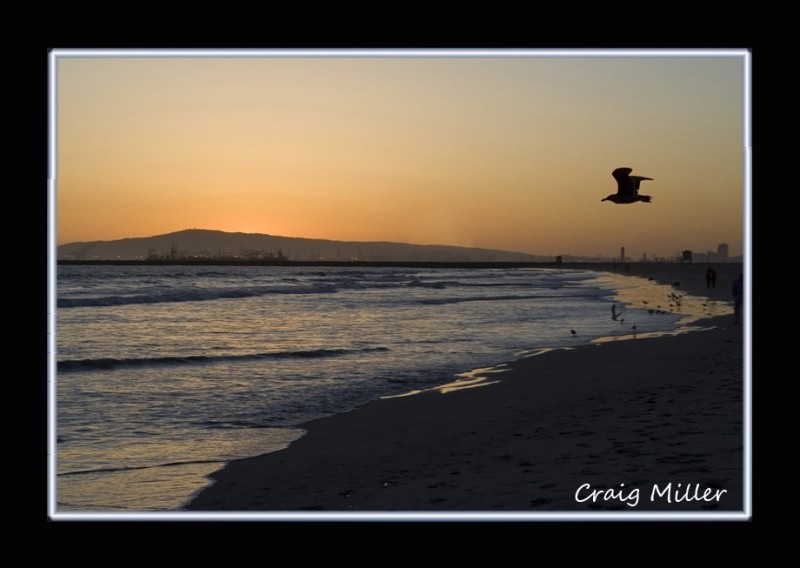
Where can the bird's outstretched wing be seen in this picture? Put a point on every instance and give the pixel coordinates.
(625, 185)
(636, 180)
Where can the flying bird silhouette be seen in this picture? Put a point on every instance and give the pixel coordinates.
(627, 188)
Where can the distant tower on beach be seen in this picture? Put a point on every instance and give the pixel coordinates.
(622, 254)
(722, 252)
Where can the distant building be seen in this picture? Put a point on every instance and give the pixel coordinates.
(686, 256)
(722, 252)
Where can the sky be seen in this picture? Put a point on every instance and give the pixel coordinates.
(511, 153)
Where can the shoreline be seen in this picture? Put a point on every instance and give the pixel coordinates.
(624, 417)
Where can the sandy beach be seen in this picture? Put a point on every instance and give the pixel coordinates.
(650, 424)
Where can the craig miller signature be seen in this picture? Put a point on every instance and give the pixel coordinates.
(669, 493)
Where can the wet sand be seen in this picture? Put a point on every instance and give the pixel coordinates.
(625, 426)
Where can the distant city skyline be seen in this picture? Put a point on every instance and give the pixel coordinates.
(721, 255)
(510, 153)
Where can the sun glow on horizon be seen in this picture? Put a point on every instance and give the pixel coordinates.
(492, 152)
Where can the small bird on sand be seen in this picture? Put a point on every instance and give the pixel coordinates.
(573, 332)
(627, 188)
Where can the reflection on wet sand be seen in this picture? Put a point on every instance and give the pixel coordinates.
(470, 379)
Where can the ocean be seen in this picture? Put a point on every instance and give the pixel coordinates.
(164, 373)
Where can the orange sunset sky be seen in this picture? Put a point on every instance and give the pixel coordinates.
(505, 152)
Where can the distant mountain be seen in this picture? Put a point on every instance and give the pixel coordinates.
(199, 243)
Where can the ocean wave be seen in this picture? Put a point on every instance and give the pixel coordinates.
(443, 301)
(437, 285)
(233, 424)
(197, 295)
(151, 289)
(133, 468)
(78, 365)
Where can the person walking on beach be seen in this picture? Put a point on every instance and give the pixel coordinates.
(711, 278)
(737, 289)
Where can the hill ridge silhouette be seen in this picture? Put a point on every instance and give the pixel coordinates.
(210, 243)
